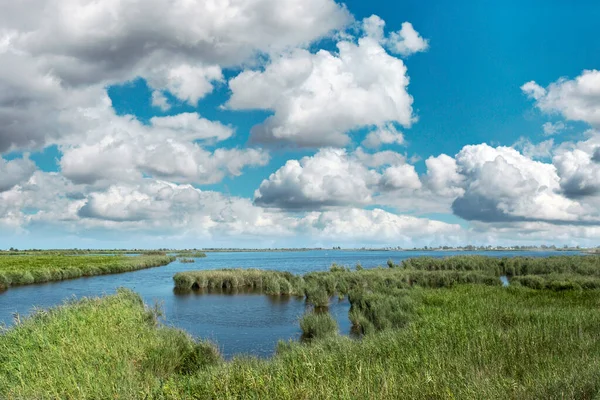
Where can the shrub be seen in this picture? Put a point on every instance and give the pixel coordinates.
(317, 325)
(337, 268)
(317, 296)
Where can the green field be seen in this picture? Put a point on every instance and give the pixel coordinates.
(26, 269)
(425, 331)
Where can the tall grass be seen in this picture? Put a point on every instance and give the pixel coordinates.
(460, 342)
(271, 282)
(514, 266)
(28, 269)
(449, 332)
(317, 325)
(318, 287)
(467, 342)
(190, 254)
(97, 348)
(77, 252)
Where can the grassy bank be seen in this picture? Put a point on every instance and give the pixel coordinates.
(96, 349)
(28, 269)
(81, 252)
(464, 342)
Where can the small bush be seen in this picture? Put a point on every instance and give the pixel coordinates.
(317, 296)
(317, 325)
(337, 268)
(183, 281)
(272, 286)
(24, 278)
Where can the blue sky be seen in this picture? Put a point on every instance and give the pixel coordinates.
(493, 140)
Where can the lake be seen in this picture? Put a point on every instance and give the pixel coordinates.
(247, 323)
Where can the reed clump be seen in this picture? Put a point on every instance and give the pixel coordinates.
(190, 254)
(317, 325)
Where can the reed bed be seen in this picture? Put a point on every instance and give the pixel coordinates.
(269, 282)
(466, 342)
(29, 269)
(317, 325)
(588, 265)
(190, 254)
(97, 348)
(318, 287)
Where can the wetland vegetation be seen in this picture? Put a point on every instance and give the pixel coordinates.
(30, 268)
(427, 328)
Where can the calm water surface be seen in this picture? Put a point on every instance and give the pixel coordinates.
(242, 323)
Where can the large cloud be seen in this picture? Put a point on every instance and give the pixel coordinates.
(56, 57)
(317, 98)
(86, 41)
(377, 226)
(123, 149)
(502, 185)
(182, 212)
(577, 99)
(334, 177)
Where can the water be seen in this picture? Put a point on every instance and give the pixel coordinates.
(242, 323)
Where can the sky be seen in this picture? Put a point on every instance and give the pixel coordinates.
(299, 123)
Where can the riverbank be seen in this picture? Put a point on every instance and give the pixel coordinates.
(27, 269)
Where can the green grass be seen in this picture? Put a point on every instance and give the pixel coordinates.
(187, 260)
(317, 325)
(514, 266)
(76, 252)
(96, 349)
(190, 254)
(468, 342)
(270, 282)
(28, 269)
(427, 332)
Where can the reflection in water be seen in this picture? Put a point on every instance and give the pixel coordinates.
(245, 320)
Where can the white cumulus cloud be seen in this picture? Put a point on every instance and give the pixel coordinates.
(575, 99)
(317, 98)
(334, 178)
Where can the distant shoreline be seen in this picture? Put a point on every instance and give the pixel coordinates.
(282, 250)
